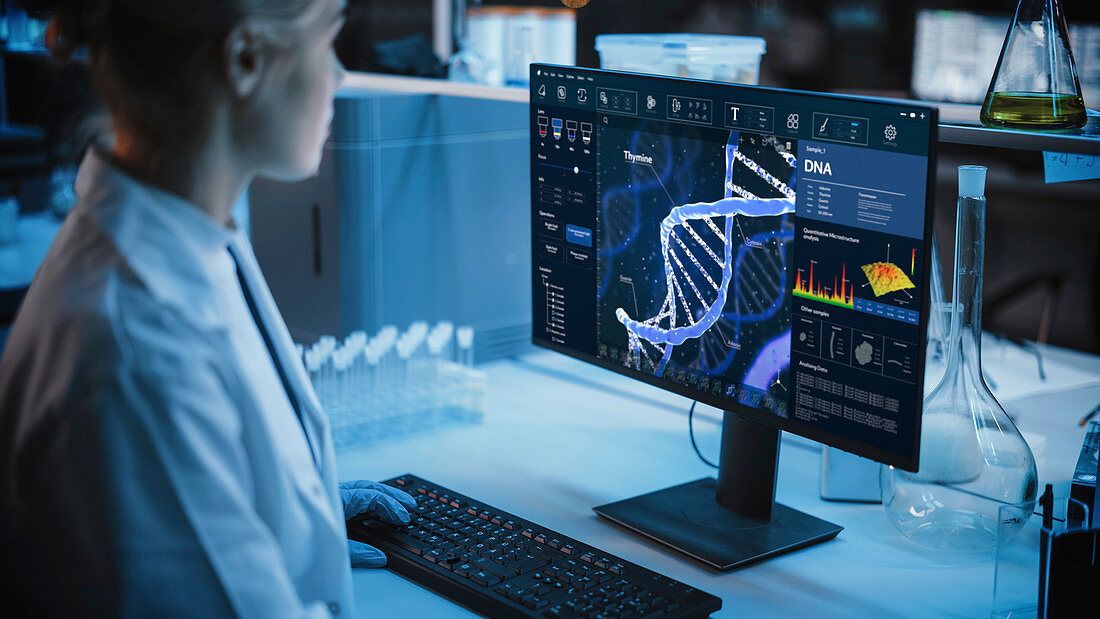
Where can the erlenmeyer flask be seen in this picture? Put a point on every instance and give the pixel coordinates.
(1035, 85)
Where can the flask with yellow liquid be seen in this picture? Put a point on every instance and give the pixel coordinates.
(1035, 85)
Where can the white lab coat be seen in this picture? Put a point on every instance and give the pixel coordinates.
(151, 463)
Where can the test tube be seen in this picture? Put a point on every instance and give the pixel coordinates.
(371, 396)
(313, 367)
(465, 337)
(446, 331)
(402, 393)
(433, 375)
(388, 333)
(338, 367)
(418, 332)
(326, 345)
(386, 366)
(356, 368)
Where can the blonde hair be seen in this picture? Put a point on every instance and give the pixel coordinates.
(152, 60)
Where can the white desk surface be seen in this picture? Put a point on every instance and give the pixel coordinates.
(560, 437)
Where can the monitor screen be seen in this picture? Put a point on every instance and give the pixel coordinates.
(955, 53)
(759, 250)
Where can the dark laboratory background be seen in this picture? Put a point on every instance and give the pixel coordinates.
(1043, 256)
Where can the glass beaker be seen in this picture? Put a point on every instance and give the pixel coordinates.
(465, 65)
(1035, 84)
(973, 460)
(521, 46)
(1023, 552)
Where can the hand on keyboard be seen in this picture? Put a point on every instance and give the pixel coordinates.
(383, 502)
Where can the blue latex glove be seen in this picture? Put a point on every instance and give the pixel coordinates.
(379, 500)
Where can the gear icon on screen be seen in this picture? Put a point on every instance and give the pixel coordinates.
(891, 132)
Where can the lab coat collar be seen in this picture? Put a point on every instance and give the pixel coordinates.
(169, 243)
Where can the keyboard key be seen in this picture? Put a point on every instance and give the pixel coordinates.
(554, 542)
(463, 569)
(560, 611)
(528, 533)
(505, 590)
(534, 602)
(529, 563)
(485, 579)
(568, 549)
(414, 546)
(495, 569)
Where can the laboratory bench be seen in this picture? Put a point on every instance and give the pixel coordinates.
(560, 437)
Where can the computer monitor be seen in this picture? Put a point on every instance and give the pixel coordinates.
(763, 251)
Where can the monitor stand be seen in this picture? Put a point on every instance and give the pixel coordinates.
(734, 520)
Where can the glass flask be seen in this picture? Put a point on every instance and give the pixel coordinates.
(1035, 84)
(465, 65)
(973, 460)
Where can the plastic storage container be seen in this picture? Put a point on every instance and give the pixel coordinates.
(702, 56)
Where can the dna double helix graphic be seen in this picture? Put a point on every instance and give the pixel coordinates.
(697, 248)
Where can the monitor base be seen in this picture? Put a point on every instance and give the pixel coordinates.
(689, 519)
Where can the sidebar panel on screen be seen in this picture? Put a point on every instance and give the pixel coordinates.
(563, 222)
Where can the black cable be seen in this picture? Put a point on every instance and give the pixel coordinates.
(691, 433)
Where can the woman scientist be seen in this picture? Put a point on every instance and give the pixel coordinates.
(161, 451)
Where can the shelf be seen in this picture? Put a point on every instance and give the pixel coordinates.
(958, 123)
(1076, 143)
(432, 86)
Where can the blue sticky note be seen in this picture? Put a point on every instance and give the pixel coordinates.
(1062, 167)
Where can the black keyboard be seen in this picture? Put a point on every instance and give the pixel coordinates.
(501, 565)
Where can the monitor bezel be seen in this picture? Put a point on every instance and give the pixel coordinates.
(910, 463)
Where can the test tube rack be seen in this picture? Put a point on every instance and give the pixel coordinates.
(396, 385)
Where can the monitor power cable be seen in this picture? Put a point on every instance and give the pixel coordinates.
(691, 433)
